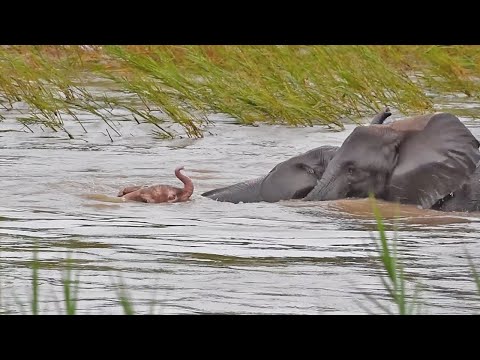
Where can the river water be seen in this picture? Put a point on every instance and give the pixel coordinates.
(204, 256)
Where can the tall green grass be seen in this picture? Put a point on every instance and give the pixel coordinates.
(70, 289)
(475, 274)
(175, 88)
(394, 282)
(35, 285)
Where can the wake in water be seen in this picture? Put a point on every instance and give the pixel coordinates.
(103, 198)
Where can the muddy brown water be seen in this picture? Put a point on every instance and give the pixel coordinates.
(204, 256)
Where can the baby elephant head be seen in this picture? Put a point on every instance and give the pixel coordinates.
(418, 161)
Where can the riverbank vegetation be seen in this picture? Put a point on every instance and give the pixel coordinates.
(176, 88)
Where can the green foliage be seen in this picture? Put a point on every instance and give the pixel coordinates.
(35, 285)
(70, 289)
(395, 282)
(176, 87)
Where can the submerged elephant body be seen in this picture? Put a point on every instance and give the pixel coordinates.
(291, 179)
(245, 191)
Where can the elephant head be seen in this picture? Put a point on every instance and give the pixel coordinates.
(418, 161)
(296, 177)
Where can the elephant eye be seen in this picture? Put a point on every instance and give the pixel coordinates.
(350, 170)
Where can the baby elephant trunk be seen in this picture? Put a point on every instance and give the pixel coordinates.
(188, 184)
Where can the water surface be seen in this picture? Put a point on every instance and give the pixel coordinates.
(204, 256)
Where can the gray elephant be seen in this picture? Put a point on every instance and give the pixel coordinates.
(421, 161)
(290, 179)
(467, 198)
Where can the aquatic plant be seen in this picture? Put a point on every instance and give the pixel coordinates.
(175, 88)
(394, 282)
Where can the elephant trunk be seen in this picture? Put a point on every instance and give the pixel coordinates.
(329, 187)
(188, 184)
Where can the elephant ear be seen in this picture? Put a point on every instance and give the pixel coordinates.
(292, 181)
(433, 162)
(296, 177)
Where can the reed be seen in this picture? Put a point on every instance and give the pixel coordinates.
(394, 281)
(176, 88)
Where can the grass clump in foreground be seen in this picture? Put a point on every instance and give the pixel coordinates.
(394, 281)
(71, 288)
(174, 88)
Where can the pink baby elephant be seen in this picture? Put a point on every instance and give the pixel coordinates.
(160, 193)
